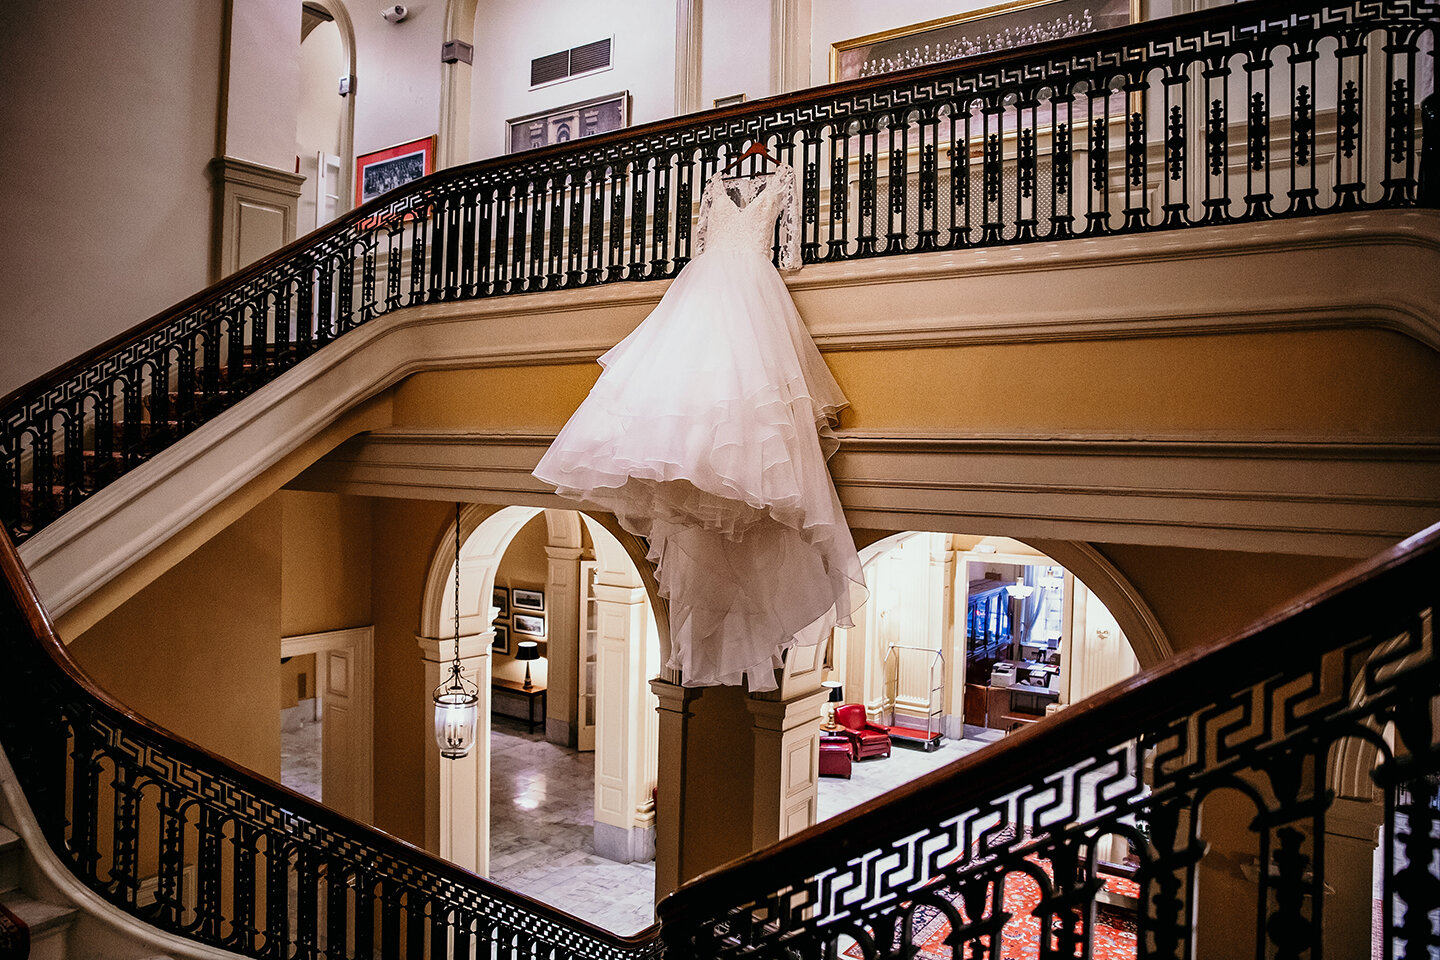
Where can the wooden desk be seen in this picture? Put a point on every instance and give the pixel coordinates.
(515, 688)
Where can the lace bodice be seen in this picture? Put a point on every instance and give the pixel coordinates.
(740, 214)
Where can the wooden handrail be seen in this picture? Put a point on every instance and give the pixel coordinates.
(1350, 600)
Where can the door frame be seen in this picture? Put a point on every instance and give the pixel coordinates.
(360, 642)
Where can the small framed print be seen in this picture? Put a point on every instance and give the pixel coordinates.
(384, 170)
(501, 643)
(529, 600)
(500, 601)
(528, 626)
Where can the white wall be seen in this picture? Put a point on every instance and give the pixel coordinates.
(264, 82)
(321, 112)
(509, 35)
(735, 50)
(109, 116)
(397, 69)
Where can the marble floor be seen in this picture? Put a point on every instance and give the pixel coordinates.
(541, 823)
(300, 749)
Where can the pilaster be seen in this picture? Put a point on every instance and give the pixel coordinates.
(687, 56)
(562, 589)
(787, 754)
(462, 836)
(624, 811)
(671, 783)
(258, 209)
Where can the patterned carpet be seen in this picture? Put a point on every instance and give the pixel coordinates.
(14, 936)
(1114, 937)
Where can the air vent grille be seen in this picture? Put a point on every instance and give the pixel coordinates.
(590, 56)
(586, 58)
(547, 69)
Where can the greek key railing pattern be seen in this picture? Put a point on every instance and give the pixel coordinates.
(1250, 112)
(1212, 786)
(199, 848)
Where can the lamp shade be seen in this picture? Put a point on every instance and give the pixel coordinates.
(527, 650)
(837, 691)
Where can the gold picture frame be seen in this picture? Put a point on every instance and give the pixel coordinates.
(1007, 26)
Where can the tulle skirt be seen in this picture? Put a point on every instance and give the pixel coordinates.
(707, 433)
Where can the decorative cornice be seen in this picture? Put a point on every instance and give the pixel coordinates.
(256, 175)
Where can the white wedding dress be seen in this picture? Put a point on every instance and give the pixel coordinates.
(707, 433)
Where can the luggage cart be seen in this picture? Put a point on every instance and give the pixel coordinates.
(930, 736)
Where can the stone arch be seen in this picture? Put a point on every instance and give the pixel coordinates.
(341, 17)
(457, 793)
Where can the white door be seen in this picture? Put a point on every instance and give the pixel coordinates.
(327, 188)
(343, 684)
(589, 649)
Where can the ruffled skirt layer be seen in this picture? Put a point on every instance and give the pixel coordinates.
(707, 433)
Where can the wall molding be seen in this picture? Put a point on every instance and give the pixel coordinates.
(1347, 499)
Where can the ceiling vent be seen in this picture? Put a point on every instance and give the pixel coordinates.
(577, 61)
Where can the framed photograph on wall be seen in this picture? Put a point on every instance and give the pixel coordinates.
(382, 171)
(989, 30)
(501, 643)
(572, 122)
(500, 600)
(528, 626)
(529, 600)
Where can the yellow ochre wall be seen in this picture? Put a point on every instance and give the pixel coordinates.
(198, 650)
(1321, 383)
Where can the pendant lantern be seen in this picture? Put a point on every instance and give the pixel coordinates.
(457, 700)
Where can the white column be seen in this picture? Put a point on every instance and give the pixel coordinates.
(562, 642)
(789, 45)
(457, 792)
(787, 758)
(624, 815)
(687, 56)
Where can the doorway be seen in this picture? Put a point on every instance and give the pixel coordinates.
(327, 749)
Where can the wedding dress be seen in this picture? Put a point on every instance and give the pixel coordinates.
(707, 433)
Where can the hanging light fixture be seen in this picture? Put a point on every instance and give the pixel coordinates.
(456, 700)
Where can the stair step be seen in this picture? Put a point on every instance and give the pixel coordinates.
(48, 923)
(10, 852)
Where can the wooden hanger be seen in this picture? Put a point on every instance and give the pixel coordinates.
(756, 149)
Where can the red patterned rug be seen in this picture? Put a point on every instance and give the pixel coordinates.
(1114, 937)
(14, 936)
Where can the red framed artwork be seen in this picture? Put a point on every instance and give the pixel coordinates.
(382, 171)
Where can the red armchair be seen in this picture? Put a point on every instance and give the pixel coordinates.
(866, 739)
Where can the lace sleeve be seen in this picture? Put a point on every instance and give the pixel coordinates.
(790, 222)
(702, 223)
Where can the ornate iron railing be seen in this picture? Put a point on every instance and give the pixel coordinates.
(197, 847)
(1248, 112)
(1228, 801)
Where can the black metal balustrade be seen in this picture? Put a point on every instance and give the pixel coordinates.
(1250, 112)
(1223, 773)
(197, 847)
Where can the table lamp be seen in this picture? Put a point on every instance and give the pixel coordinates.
(527, 650)
(837, 695)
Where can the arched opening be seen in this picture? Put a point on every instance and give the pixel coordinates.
(325, 119)
(964, 640)
(564, 581)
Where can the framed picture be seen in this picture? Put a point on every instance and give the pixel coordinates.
(384, 170)
(500, 600)
(528, 626)
(989, 30)
(501, 643)
(735, 99)
(529, 600)
(584, 119)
